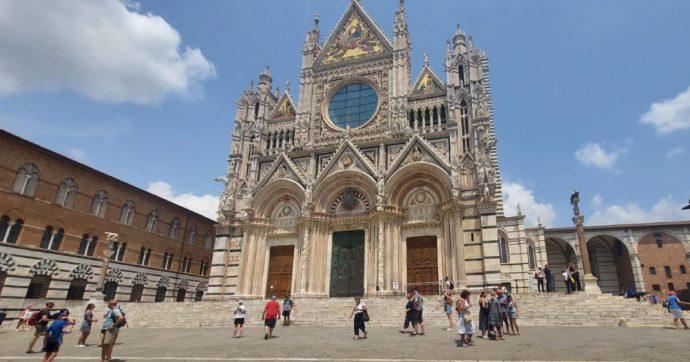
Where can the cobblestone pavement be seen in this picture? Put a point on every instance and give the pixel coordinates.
(383, 344)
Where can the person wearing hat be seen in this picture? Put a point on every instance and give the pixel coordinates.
(673, 304)
(270, 316)
(240, 312)
(110, 330)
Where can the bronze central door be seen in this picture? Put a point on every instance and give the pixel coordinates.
(422, 265)
(347, 264)
(280, 270)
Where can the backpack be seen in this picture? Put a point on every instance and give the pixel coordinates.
(451, 286)
(35, 318)
(119, 323)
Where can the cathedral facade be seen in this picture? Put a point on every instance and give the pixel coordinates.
(369, 182)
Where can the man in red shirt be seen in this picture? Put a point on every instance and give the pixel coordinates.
(270, 315)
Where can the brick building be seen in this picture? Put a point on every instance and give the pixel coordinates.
(54, 212)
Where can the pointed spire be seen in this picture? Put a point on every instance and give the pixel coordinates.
(250, 87)
(459, 39)
(470, 43)
(426, 60)
(277, 94)
(287, 86)
(265, 80)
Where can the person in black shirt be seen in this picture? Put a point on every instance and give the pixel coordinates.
(41, 326)
(549, 278)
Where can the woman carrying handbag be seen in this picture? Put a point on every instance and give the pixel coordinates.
(361, 316)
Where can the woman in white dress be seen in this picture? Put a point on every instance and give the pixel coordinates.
(465, 324)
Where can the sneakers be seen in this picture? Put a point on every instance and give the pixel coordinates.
(81, 345)
(266, 337)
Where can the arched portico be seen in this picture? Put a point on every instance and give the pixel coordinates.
(559, 254)
(611, 264)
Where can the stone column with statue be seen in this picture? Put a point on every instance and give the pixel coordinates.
(590, 281)
(98, 294)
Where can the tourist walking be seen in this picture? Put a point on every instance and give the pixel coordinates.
(361, 316)
(448, 309)
(502, 299)
(270, 316)
(512, 315)
(465, 325)
(418, 313)
(483, 314)
(567, 280)
(540, 280)
(448, 285)
(239, 314)
(112, 321)
(495, 321)
(288, 304)
(40, 321)
(409, 307)
(85, 327)
(24, 316)
(575, 275)
(673, 304)
(549, 278)
(54, 334)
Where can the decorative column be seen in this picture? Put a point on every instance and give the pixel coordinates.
(107, 254)
(590, 281)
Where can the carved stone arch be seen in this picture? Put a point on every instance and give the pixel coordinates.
(114, 275)
(412, 176)
(350, 200)
(45, 267)
(421, 195)
(140, 279)
(331, 188)
(274, 194)
(81, 271)
(163, 281)
(606, 237)
(183, 284)
(685, 243)
(7, 263)
(14, 214)
(201, 287)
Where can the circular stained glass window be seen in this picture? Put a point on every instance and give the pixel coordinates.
(353, 105)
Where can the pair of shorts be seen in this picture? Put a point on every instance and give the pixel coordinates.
(110, 335)
(286, 313)
(270, 323)
(40, 329)
(417, 317)
(52, 346)
(676, 313)
(449, 310)
(239, 322)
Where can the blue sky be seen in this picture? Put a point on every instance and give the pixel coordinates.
(587, 94)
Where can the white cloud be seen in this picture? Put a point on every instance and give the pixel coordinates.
(515, 193)
(103, 49)
(669, 115)
(666, 209)
(206, 205)
(77, 154)
(675, 152)
(593, 155)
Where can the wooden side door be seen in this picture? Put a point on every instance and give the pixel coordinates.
(347, 264)
(280, 270)
(422, 265)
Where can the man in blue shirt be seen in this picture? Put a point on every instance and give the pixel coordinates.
(673, 304)
(110, 330)
(54, 334)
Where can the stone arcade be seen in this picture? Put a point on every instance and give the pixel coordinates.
(369, 183)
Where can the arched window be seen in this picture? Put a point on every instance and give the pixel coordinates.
(66, 193)
(4, 227)
(256, 110)
(208, 240)
(99, 203)
(504, 250)
(15, 229)
(199, 296)
(203, 266)
(410, 118)
(38, 287)
(109, 290)
(174, 228)
(465, 125)
(152, 221)
(144, 255)
(181, 294)
(83, 244)
(167, 261)
(51, 240)
(191, 234)
(119, 251)
(531, 256)
(186, 264)
(76, 290)
(461, 73)
(443, 114)
(26, 180)
(137, 292)
(160, 294)
(128, 210)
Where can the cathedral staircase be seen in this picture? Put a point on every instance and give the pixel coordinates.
(552, 309)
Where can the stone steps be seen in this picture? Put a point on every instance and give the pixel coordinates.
(551, 309)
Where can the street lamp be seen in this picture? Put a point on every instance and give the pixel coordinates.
(687, 207)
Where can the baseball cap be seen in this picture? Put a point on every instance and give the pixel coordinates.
(274, 297)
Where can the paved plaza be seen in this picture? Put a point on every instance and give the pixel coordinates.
(384, 344)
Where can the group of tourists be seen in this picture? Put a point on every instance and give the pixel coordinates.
(569, 274)
(53, 326)
(270, 316)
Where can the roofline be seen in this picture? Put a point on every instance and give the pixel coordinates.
(623, 226)
(5, 133)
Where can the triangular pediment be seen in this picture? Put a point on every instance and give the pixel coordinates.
(348, 157)
(355, 38)
(285, 108)
(418, 150)
(428, 85)
(282, 168)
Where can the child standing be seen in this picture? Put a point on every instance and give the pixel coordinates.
(512, 315)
